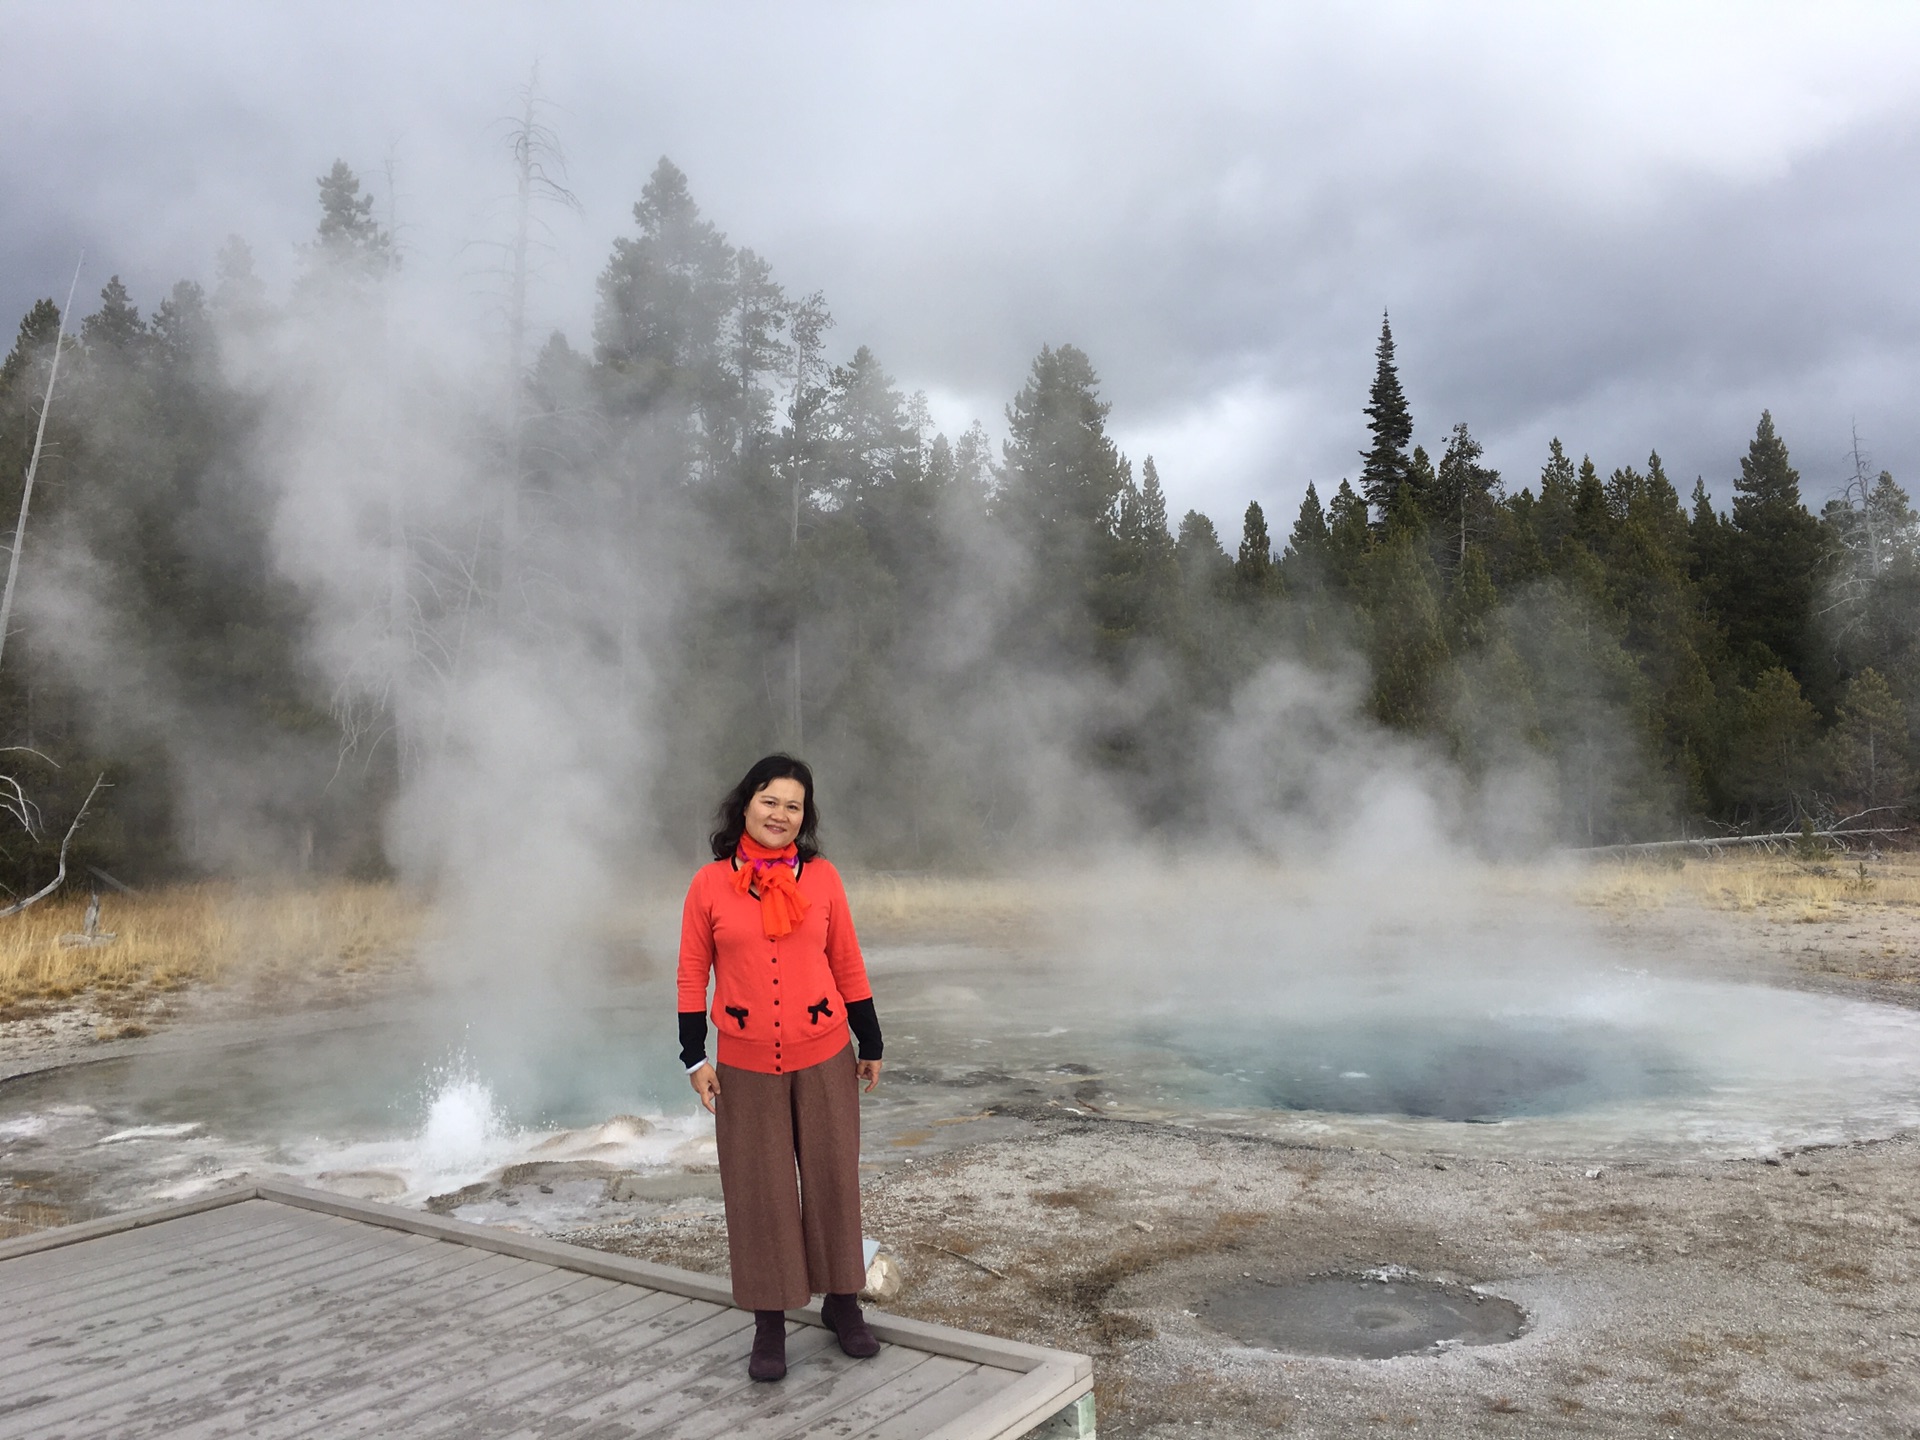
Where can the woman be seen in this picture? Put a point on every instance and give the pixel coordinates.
(768, 920)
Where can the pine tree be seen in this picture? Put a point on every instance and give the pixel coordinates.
(665, 296)
(1867, 753)
(1407, 643)
(1253, 569)
(1558, 488)
(116, 325)
(1592, 520)
(1664, 623)
(1871, 598)
(1461, 504)
(1062, 475)
(1471, 603)
(1589, 705)
(1304, 562)
(1384, 467)
(350, 240)
(239, 295)
(1057, 497)
(182, 328)
(1514, 552)
(1706, 543)
(870, 446)
(1774, 550)
(1773, 752)
(1151, 570)
(38, 327)
(1150, 525)
(757, 313)
(1657, 504)
(1348, 534)
(1203, 560)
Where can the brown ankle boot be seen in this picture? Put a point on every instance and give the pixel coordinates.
(843, 1317)
(769, 1359)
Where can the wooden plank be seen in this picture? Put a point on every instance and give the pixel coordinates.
(716, 1377)
(824, 1387)
(604, 1343)
(47, 1259)
(63, 1235)
(977, 1387)
(138, 1396)
(586, 1370)
(75, 1269)
(931, 1375)
(123, 1305)
(451, 1382)
(350, 1332)
(614, 1345)
(120, 1366)
(432, 1373)
(963, 1344)
(574, 1400)
(280, 1316)
(506, 1242)
(287, 1316)
(161, 1270)
(393, 1324)
(164, 1264)
(939, 1339)
(146, 1402)
(1017, 1409)
(157, 1259)
(129, 1311)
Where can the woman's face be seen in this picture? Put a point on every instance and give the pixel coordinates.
(775, 812)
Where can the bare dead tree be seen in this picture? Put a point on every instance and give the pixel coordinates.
(1858, 493)
(13, 795)
(539, 173)
(33, 462)
(60, 876)
(808, 324)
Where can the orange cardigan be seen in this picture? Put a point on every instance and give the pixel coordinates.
(779, 1005)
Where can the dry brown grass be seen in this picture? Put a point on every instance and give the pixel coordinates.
(167, 939)
(896, 908)
(1807, 890)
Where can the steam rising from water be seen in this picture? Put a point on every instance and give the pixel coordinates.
(530, 786)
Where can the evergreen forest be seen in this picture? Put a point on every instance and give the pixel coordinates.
(277, 570)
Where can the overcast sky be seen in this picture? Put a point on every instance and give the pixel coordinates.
(1630, 226)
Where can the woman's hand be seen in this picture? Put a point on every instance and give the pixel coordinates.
(706, 1084)
(868, 1071)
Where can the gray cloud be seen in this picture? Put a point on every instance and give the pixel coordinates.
(1632, 227)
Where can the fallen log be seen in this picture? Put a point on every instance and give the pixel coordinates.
(1717, 842)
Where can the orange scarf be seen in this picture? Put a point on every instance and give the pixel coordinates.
(781, 903)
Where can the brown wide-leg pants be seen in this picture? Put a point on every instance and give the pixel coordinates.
(789, 1242)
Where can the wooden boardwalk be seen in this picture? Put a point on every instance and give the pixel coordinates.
(273, 1311)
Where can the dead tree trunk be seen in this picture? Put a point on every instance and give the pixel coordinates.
(33, 463)
(60, 876)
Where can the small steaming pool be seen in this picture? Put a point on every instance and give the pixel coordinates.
(1604, 1068)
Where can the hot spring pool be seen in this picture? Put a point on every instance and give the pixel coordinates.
(1605, 1067)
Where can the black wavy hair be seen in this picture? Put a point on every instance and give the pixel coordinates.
(732, 816)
